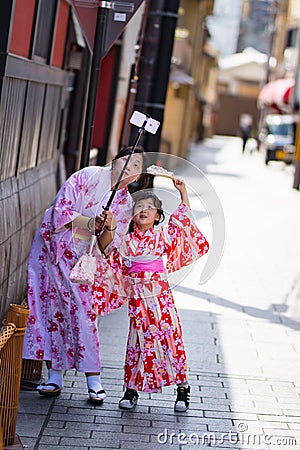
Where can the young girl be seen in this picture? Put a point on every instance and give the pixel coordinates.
(155, 355)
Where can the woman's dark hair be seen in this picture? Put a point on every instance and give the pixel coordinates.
(143, 181)
(144, 195)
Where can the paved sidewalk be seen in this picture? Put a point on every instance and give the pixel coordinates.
(241, 330)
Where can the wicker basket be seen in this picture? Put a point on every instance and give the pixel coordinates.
(11, 346)
(31, 370)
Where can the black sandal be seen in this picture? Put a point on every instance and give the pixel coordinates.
(51, 392)
(96, 400)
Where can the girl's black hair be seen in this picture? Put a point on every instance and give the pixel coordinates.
(143, 195)
(144, 179)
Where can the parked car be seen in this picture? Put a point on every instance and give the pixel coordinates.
(277, 138)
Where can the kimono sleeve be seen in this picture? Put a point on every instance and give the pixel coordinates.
(184, 241)
(109, 292)
(67, 206)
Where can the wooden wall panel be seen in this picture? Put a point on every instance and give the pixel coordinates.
(24, 201)
(11, 117)
(60, 34)
(22, 27)
(31, 126)
(50, 123)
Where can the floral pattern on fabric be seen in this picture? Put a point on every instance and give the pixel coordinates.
(155, 355)
(62, 323)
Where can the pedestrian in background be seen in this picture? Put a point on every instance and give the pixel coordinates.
(246, 123)
(155, 355)
(61, 328)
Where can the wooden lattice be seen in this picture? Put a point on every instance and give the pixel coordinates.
(11, 346)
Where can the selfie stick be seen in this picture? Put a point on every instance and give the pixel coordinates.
(148, 124)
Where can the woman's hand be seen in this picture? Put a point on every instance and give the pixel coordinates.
(105, 220)
(110, 222)
(181, 187)
(109, 226)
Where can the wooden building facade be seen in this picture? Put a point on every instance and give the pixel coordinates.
(43, 68)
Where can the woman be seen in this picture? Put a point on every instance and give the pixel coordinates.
(61, 327)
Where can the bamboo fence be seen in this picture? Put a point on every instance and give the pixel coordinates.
(11, 346)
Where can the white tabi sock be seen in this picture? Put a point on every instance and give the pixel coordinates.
(54, 376)
(95, 387)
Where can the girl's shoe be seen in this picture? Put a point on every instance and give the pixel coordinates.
(129, 399)
(182, 402)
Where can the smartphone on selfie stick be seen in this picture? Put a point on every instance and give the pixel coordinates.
(145, 123)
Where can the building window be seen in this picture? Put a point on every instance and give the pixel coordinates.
(44, 30)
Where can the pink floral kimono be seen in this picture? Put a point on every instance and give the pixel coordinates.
(155, 355)
(62, 323)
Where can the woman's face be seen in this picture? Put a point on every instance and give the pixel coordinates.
(133, 169)
(145, 213)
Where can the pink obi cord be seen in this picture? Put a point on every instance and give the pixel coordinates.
(147, 266)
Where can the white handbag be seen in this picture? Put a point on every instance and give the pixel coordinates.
(84, 270)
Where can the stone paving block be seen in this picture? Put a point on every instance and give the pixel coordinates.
(282, 432)
(294, 426)
(132, 437)
(260, 409)
(29, 442)
(278, 418)
(220, 425)
(72, 418)
(133, 429)
(30, 426)
(285, 389)
(56, 424)
(263, 424)
(159, 425)
(98, 442)
(241, 416)
(63, 447)
(150, 416)
(212, 401)
(67, 432)
(150, 446)
(213, 392)
(290, 412)
(60, 409)
(123, 421)
(50, 440)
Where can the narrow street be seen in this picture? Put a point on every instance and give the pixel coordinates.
(241, 330)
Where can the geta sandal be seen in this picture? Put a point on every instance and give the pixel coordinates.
(96, 400)
(50, 392)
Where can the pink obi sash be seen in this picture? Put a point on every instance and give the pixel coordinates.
(155, 265)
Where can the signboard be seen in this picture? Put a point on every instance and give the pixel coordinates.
(118, 15)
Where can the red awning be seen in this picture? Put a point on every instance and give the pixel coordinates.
(278, 95)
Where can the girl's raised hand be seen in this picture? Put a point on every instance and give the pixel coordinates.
(181, 187)
(179, 184)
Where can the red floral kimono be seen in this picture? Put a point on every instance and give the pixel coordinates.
(155, 355)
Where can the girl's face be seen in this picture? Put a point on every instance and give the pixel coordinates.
(144, 214)
(132, 172)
